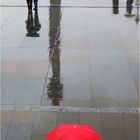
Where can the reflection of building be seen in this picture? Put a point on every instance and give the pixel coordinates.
(115, 6)
(54, 87)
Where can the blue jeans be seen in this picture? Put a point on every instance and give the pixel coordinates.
(36, 4)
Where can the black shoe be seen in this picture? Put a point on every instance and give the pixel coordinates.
(36, 9)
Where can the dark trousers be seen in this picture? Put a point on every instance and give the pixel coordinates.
(29, 4)
(129, 6)
(129, 2)
(36, 3)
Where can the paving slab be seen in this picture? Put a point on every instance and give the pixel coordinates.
(68, 118)
(92, 119)
(4, 131)
(115, 134)
(19, 132)
(112, 120)
(130, 121)
(23, 118)
(37, 137)
(6, 117)
(44, 122)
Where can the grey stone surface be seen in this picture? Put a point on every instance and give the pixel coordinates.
(81, 45)
(23, 118)
(25, 125)
(112, 121)
(68, 118)
(92, 119)
(69, 3)
(114, 134)
(4, 131)
(110, 65)
(132, 124)
(44, 122)
(17, 132)
(94, 49)
(114, 93)
(38, 137)
(6, 117)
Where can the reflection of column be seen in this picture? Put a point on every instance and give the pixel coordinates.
(115, 6)
(137, 14)
(55, 87)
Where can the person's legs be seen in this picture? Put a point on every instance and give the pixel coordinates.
(129, 8)
(129, 2)
(28, 3)
(36, 4)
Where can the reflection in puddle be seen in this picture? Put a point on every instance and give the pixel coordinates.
(129, 8)
(137, 14)
(115, 6)
(32, 24)
(24, 67)
(54, 89)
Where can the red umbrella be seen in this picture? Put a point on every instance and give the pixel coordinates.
(73, 132)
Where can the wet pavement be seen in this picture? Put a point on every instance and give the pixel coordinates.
(34, 125)
(70, 62)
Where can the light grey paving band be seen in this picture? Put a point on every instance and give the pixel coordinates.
(70, 109)
(67, 6)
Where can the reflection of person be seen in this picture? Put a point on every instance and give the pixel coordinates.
(37, 25)
(115, 6)
(29, 24)
(55, 87)
(32, 25)
(129, 8)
